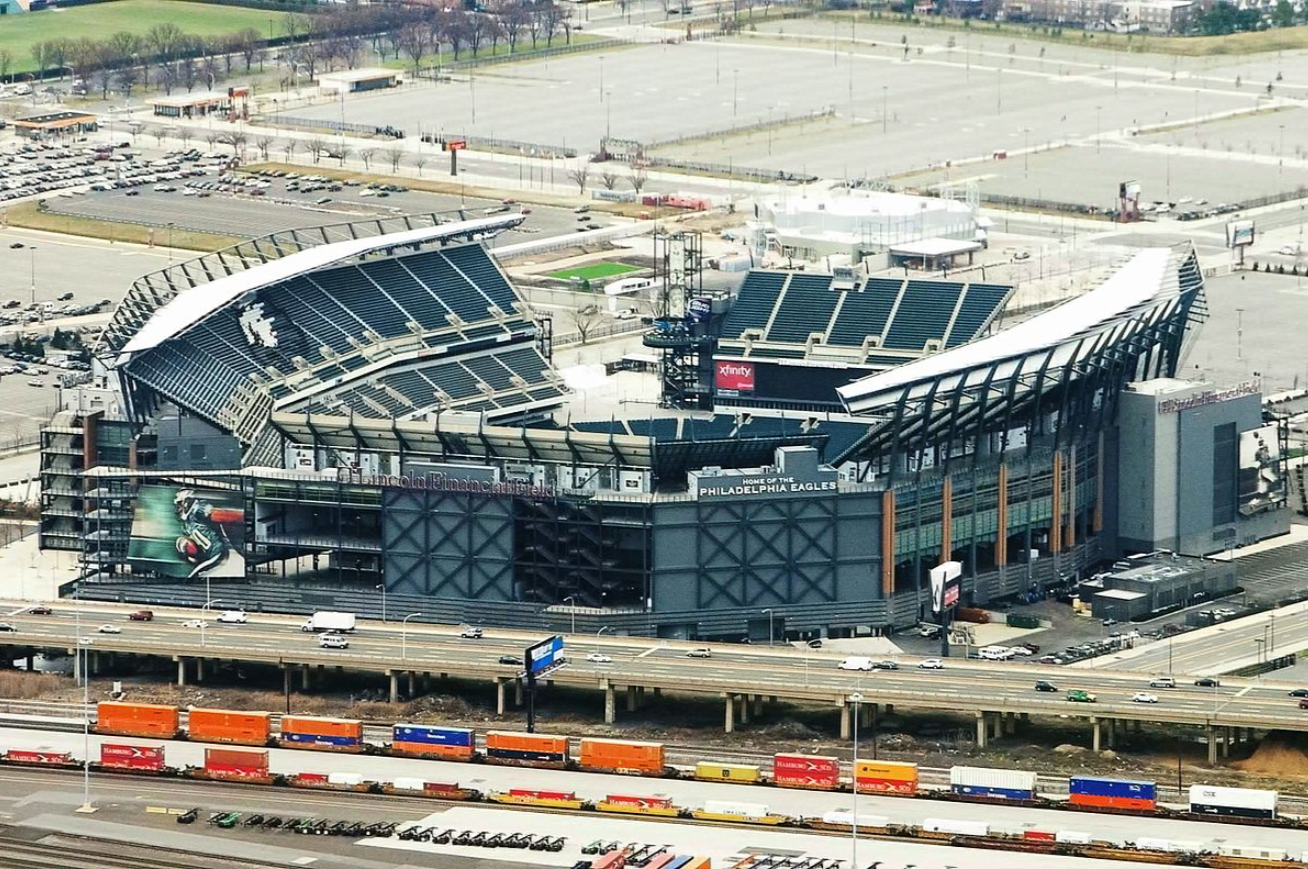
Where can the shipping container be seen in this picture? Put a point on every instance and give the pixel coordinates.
(845, 818)
(527, 749)
(679, 862)
(234, 728)
(1009, 784)
(528, 797)
(234, 763)
(346, 779)
(1253, 852)
(612, 860)
(408, 784)
(699, 863)
(809, 771)
(629, 758)
(1170, 846)
(1038, 836)
(956, 827)
(626, 804)
(137, 719)
(1072, 837)
(52, 758)
(728, 772)
(1112, 793)
(330, 734)
(424, 740)
(885, 777)
(731, 807)
(1240, 802)
(146, 758)
(660, 862)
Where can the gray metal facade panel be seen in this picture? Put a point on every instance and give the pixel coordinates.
(448, 545)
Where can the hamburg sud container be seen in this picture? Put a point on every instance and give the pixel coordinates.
(234, 728)
(136, 719)
(233, 763)
(885, 777)
(145, 758)
(527, 749)
(1008, 784)
(806, 771)
(630, 758)
(1241, 802)
(424, 740)
(1113, 793)
(327, 734)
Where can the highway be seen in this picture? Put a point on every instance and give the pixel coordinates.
(1120, 829)
(995, 692)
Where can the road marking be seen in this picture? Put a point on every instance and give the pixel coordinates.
(650, 650)
(1244, 691)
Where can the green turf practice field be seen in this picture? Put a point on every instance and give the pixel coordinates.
(593, 272)
(101, 20)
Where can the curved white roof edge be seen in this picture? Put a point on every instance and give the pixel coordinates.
(191, 306)
(1142, 279)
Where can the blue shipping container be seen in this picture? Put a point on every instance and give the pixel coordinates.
(319, 739)
(1003, 793)
(459, 737)
(1112, 787)
(519, 754)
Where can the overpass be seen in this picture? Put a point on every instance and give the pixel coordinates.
(1000, 695)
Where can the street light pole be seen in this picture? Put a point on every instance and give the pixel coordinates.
(571, 600)
(771, 631)
(856, 698)
(382, 589)
(404, 636)
(33, 251)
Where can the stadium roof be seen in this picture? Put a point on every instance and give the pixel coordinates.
(189, 308)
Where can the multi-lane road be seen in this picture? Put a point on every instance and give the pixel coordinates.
(995, 692)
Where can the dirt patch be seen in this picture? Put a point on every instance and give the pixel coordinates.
(1280, 754)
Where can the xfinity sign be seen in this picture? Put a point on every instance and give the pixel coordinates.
(734, 377)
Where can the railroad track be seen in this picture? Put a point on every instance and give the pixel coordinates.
(65, 852)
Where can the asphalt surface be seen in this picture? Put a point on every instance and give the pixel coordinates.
(779, 671)
(578, 829)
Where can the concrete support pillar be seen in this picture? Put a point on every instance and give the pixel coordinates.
(499, 696)
(631, 698)
(340, 671)
(199, 670)
(610, 704)
(517, 692)
(889, 708)
(1096, 730)
(1111, 725)
(996, 725)
(1212, 745)
(426, 683)
(181, 672)
(77, 666)
(411, 691)
(1136, 725)
(1010, 723)
(394, 678)
(744, 709)
(30, 663)
(306, 679)
(729, 716)
(658, 692)
(758, 705)
(982, 730)
(1226, 743)
(845, 730)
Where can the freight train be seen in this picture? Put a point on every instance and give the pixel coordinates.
(251, 766)
(648, 759)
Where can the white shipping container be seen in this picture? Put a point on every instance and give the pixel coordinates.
(1145, 843)
(1072, 837)
(746, 810)
(409, 784)
(980, 777)
(1233, 798)
(958, 828)
(844, 816)
(1253, 852)
(344, 778)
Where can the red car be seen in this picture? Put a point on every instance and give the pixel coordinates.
(141, 616)
(40, 610)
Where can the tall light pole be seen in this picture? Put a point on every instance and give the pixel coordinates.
(382, 589)
(404, 636)
(597, 636)
(885, 103)
(571, 600)
(601, 87)
(771, 633)
(735, 91)
(856, 698)
(33, 252)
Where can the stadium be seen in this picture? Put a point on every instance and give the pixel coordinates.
(368, 416)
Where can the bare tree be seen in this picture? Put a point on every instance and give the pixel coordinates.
(394, 156)
(316, 146)
(187, 134)
(584, 319)
(264, 144)
(415, 41)
(289, 148)
(6, 62)
(235, 140)
(366, 155)
(419, 161)
(211, 139)
(609, 179)
(638, 178)
(580, 175)
(344, 153)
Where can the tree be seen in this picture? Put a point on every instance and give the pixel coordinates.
(415, 42)
(580, 175)
(419, 161)
(609, 179)
(584, 319)
(344, 153)
(6, 62)
(249, 43)
(41, 55)
(264, 144)
(394, 156)
(235, 140)
(1283, 14)
(211, 139)
(638, 178)
(289, 148)
(366, 155)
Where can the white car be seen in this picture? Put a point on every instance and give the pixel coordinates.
(597, 658)
(1144, 697)
(931, 664)
(855, 663)
(233, 617)
(333, 641)
(85, 641)
(699, 653)
(193, 623)
(109, 629)
(471, 633)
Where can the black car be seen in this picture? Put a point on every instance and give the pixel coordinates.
(1207, 682)
(188, 817)
(6, 627)
(1043, 685)
(1299, 692)
(16, 245)
(512, 660)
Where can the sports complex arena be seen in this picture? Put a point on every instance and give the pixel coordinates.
(368, 416)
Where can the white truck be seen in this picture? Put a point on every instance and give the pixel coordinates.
(325, 620)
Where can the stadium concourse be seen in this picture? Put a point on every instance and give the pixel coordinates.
(372, 411)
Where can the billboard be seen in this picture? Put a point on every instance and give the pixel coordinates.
(946, 581)
(733, 376)
(188, 532)
(544, 656)
(1262, 477)
(1239, 233)
(699, 309)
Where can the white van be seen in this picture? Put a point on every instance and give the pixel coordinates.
(333, 641)
(855, 663)
(995, 653)
(233, 617)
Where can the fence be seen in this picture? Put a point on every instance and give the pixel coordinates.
(725, 170)
(617, 327)
(508, 146)
(434, 73)
(757, 126)
(340, 126)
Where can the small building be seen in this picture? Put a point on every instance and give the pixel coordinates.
(12, 7)
(233, 103)
(353, 81)
(1161, 581)
(934, 254)
(56, 124)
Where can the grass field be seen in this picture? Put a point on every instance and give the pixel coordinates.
(30, 215)
(99, 21)
(524, 52)
(593, 272)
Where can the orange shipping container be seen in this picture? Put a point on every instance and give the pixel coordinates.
(527, 749)
(222, 725)
(137, 719)
(641, 758)
(333, 734)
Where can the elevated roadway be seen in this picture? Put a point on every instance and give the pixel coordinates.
(1000, 695)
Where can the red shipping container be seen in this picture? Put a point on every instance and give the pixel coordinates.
(1112, 802)
(435, 787)
(1038, 836)
(233, 763)
(142, 757)
(885, 786)
(40, 757)
(805, 771)
(543, 795)
(315, 777)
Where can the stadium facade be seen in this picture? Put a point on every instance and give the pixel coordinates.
(367, 416)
